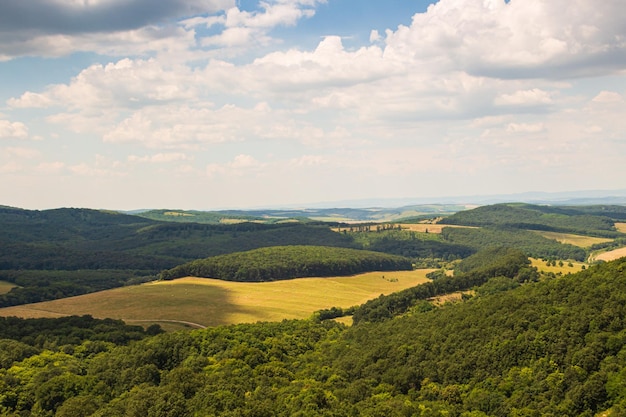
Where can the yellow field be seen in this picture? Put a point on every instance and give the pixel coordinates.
(542, 267)
(576, 240)
(621, 227)
(198, 302)
(5, 287)
(611, 255)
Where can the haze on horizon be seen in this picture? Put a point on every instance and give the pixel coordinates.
(207, 104)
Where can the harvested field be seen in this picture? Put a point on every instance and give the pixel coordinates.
(196, 302)
(611, 255)
(576, 240)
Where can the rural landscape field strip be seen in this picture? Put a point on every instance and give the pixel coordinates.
(572, 239)
(5, 287)
(611, 255)
(210, 302)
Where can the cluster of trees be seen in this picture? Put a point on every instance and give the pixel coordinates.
(553, 347)
(286, 262)
(42, 285)
(589, 221)
(46, 333)
(53, 254)
(476, 270)
(531, 243)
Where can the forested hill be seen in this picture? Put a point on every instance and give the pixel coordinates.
(287, 262)
(551, 348)
(591, 220)
(58, 253)
(72, 239)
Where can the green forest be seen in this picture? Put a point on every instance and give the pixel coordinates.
(553, 347)
(590, 220)
(59, 253)
(287, 262)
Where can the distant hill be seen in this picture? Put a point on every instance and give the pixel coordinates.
(287, 262)
(587, 220)
(272, 216)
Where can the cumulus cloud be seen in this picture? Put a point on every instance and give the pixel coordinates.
(13, 130)
(516, 39)
(243, 27)
(51, 17)
(56, 28)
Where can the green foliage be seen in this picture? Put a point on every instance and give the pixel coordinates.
(477, 270)
(73, 330)
(555, 347)
(532, 244)
(412, 244)
(286, 262)
(59, 253)
(591, 220)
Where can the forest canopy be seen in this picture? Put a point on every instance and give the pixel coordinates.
(286, 262)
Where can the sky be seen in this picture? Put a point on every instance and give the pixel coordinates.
(215, 104)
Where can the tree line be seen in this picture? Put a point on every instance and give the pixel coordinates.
(552, 347)
(286, 262)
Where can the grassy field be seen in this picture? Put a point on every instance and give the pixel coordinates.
(576, 240)
(5, 287)
(196, 302)
(611, 255)
(621, 227)
(565, 269)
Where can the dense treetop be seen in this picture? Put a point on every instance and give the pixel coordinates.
(548, 348)
(594, 220)
(286, 262)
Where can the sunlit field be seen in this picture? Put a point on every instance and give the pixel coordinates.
(564, 269)
(611, 255)
(198, 302)
(5, 287)
(576, 240)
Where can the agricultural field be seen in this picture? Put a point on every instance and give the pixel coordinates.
(200, 302)
(621, 227)
(5, 287)
(611, 255)
(576, 240)
(565, 269)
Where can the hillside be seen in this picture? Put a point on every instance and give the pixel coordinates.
(270, 216)
(58, 253)
(554, 347)
(286, 262)
(591, 220)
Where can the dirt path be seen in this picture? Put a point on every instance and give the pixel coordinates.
(188, 323)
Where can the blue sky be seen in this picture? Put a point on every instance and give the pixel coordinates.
(204, 104)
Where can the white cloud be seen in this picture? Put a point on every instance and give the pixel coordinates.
(244, 28)
(532, 97)
(608, 97)
(13, 130)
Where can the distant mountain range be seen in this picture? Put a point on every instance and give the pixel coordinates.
(584, 197)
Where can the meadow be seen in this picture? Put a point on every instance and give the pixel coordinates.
(572, 239)
(200, 302)
(556, 269)
(5, 287)
(611, 255)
